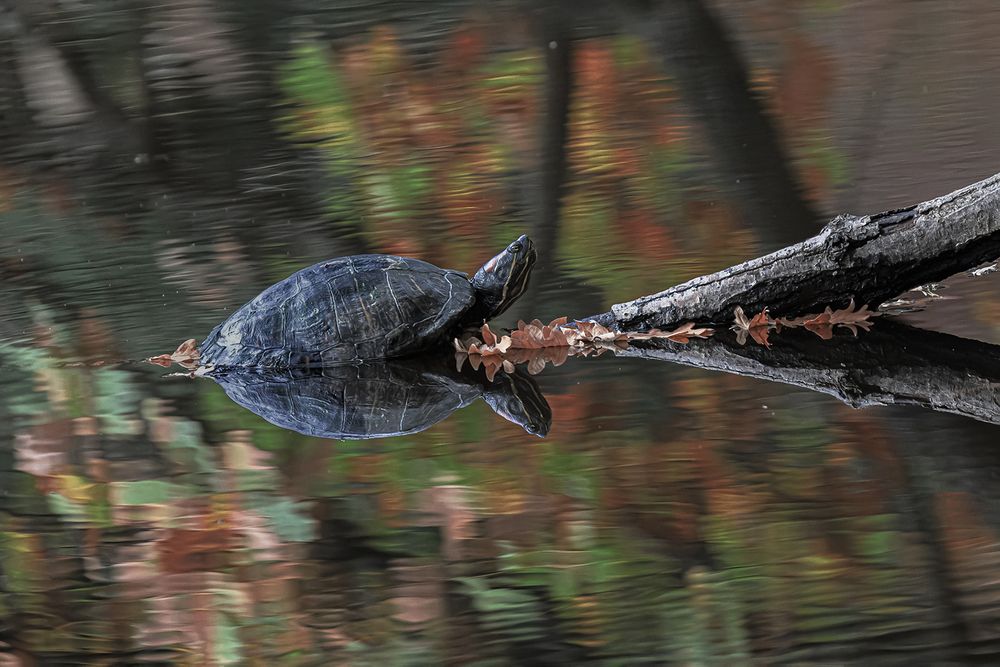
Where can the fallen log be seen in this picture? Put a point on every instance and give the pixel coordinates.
(870, 258)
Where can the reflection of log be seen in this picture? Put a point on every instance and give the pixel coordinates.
(893, 364)
(557, 42)
(871, 258)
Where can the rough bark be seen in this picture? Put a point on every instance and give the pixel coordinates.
(871, 258)
(893, 364)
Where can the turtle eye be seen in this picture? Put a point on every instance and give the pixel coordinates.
(515, 246)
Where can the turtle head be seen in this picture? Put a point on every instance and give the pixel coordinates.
(503, 279)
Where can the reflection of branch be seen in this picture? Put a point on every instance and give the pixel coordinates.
(15, 113)
(743, 141)
(555, 39)
(892, 364)
(558, 44)
(76, 62)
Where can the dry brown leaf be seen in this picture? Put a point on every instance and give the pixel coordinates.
(537, 344)
(489, 338)
(822, 324)
(681, 334)
(489, 345)
(687, 331)
(537, 335)
(849, 318)
(493, 344)
(741, 321)
(185, 355)
(757, 327)
(761, 319)
(589, 332)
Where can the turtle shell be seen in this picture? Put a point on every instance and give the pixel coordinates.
(347, 309)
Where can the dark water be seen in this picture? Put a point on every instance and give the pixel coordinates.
(161, 163)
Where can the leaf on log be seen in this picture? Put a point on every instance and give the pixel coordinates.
(681, 334)
(821, 324)
(585, 331)
(490, 344)
(537, 344)
(185, 355)
(846, 317)
(536, 335)
(757, 327)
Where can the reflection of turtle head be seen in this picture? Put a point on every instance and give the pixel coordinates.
(503, 279)
(517, 398)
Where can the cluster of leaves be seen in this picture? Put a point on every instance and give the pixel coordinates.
(537, 344)
(759, 327)
(185, 355)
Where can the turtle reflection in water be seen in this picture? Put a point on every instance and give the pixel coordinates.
(365, 307)
(377, 399)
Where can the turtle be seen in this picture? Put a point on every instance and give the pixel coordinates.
(365, 307)
(381, 398)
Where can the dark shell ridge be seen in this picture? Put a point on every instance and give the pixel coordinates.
(360, 307)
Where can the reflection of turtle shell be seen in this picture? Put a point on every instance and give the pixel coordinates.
(360, 307)
(371, 400)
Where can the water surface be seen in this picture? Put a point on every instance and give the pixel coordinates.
(161, 164)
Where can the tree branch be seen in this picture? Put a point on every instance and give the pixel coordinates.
(871, 258)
